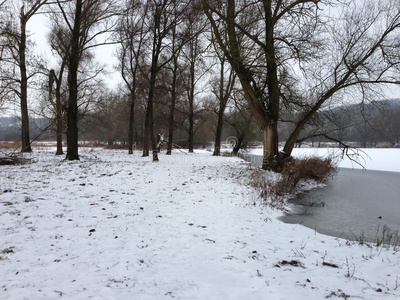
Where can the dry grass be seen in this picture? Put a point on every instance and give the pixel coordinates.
(297, 170)
(10, 145)
(278, 187)
(310, 168)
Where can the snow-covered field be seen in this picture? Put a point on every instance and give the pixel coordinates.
(380, 159)
(113, 226)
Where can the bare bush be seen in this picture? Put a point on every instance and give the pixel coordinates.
(276, 188)
(310, 168)
(12, 159)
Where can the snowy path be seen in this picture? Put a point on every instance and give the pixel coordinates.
(181, 228)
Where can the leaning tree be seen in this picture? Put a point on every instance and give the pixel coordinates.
(302, 56)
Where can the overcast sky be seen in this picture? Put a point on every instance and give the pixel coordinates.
(39, 27)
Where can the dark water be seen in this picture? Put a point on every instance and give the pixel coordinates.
(353, 203)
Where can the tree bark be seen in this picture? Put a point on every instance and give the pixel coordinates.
(191, 106)
(72, 110)
(59, 121)
(223, 100)
(149, 122)
(146, 134)
(217, 145)
(59, 108)
(131, 120)
(218, 132)
(25, 139)
(173, 94)
(171, 114)
(238, 145)
(269, 147)
(271, 131)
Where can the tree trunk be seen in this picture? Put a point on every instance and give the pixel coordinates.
(146, 134)
(222, 105)
(59, 122)
(191, 107)
(271, 130)
(149, 124)
(59, 118)
(72, 110)
(218, 133)
(238, 145)
(270, 147)
(25, 140)
(149, 121)
(131, 121)
(291, 141)
(171, 114)
(173, 94)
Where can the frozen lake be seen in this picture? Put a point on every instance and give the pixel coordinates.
(353, 203)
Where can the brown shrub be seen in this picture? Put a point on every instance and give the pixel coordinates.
(287, 185)
(314, 168)
(295, 170)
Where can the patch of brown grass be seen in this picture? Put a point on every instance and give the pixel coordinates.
(10, 145)
(314, 168)
(287, 182)
(296, 170)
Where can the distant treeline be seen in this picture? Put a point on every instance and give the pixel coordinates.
(365, 125)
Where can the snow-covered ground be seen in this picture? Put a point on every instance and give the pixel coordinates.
(380, 159)
(113, 226)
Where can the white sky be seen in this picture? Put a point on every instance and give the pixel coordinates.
(39, 27)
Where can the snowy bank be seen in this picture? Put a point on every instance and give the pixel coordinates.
(113, 226)
(380, 159)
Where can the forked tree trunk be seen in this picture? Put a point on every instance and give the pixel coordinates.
(25, 139)
(72, 110)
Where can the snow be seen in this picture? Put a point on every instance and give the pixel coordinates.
(380, 159)
(182, 228)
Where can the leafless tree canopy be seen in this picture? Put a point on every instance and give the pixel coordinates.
(301, 56)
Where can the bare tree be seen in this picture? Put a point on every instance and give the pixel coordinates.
(222, 92)
(164, 15)
(15, 41)
(193, 56)
(133, 37)
(87, 21)
(241, 120)
(174, 69)
(271, 43)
